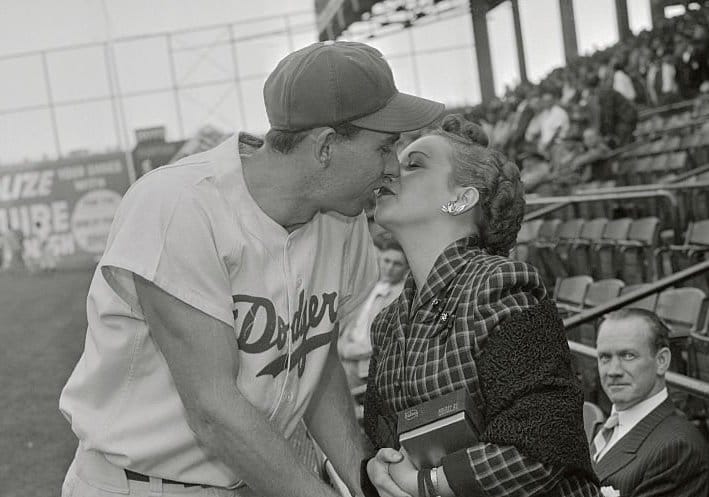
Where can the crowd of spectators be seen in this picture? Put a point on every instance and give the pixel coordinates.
(559, 130)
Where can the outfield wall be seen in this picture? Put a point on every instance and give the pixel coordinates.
(64, 208)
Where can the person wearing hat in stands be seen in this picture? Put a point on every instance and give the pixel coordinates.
(213, 314)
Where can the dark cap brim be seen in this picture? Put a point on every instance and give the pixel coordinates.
(402, 113)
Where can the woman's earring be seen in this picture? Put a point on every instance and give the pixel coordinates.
(454, 208)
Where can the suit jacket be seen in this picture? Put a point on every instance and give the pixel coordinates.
(663, 455)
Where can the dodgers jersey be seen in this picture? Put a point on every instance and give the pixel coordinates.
(193, 229)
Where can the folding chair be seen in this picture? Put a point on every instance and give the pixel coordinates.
(606, 247)
(636, 253)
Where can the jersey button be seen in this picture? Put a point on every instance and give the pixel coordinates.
(299, 282)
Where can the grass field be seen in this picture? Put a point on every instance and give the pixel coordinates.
(42, 330)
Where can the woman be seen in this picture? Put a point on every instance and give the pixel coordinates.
(471, 318)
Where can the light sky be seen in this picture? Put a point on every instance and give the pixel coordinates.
(443, 66)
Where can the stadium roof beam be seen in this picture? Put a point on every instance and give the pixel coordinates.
(621, 10)
(478, 12)
(657, 12)
(568, 29)
(521, 57)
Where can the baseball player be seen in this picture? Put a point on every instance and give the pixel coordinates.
(213, 313)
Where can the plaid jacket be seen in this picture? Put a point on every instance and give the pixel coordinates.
(432, 343)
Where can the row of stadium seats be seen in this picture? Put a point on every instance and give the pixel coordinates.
(630, 249)
(695, 144)
(684, 310)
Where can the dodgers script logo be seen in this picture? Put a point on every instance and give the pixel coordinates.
(256, 339)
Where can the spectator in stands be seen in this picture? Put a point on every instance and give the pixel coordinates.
(354, 344)
(622, 83)
(212, 311)
(589, 161)
(502, 132)
(692, 62)
(610, 113)
(645, 448)
(470, 318)
(525, 112)
(550, 124)
(661, 79)
(570, 163)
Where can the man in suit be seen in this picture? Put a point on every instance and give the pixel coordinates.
(645, 448)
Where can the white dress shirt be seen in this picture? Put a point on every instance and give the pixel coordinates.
(355, 342)
(628, 418)
(624, 85)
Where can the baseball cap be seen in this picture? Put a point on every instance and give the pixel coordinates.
(333, 82)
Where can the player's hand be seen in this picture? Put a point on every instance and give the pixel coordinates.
(378, 469)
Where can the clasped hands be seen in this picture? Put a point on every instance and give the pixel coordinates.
(393, 473)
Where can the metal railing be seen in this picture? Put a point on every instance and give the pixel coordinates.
(559, 202)
(677, 183)
(691, 385)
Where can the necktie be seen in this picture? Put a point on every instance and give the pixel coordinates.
(602, 437)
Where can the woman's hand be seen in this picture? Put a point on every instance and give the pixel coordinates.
(405, 474)
(381, 470)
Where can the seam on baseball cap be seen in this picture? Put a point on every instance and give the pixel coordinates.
(302, 66)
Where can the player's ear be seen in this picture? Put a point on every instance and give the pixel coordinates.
(322, 145)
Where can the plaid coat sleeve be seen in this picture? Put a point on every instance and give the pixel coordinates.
(507, 461)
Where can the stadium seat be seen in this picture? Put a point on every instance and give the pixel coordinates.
(699, 356)
(570, 293)
(527, 234)
(693, 250)
(639, 172)
(606, 248)
(547, 233)
(684, 310)
(554, 254)
(598, 293)
(581, 257)
(592, 417)
(636, 253)
(649, 303)
(602, 291)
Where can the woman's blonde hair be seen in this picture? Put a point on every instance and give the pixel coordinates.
(496, 178)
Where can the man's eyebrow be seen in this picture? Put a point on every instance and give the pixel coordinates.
(418, 152)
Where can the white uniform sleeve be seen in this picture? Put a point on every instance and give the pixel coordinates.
(167, 238)
(360, 270)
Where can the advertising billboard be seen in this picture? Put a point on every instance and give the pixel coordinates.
(63, 208)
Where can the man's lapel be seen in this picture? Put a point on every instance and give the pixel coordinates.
(625, 450)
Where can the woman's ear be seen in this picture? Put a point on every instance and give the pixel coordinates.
(467, 199)
(470, 197)
(322, 148)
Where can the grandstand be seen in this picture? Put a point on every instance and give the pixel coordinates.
(634, 232)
